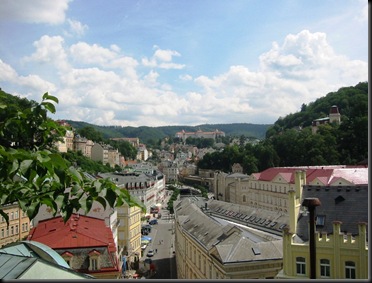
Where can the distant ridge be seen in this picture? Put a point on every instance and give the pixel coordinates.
(145, 133)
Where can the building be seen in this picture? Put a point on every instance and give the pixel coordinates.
(199, 134)
(34, 260)
(269, 189)
(105, 154)
(341, 238)
(86, 243)
(333, 118)
(129, 235)
(84, 145)
(19, 225)
(148, 188)
(208, 247)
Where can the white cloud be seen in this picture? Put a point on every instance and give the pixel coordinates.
(102, 86)
(162, 59)
(30, 83)
(77, 27)
(35, 11)
(49, 50)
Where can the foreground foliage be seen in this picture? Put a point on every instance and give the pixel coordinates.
(33, 173)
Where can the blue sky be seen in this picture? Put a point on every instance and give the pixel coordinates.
(184, 62)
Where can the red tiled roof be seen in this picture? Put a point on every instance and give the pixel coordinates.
(326, 174)
(79, 231)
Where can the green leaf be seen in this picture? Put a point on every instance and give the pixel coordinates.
(25, 165)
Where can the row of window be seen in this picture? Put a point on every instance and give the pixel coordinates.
(13, 215)
(325, 268)
(13, 230)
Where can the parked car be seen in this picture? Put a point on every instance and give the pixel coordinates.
(143, 247)
(148, 260)
(150, 253)
(153, 222)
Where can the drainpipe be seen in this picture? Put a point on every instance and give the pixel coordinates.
(311, 203)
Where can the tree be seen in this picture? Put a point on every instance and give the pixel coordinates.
(33, 174)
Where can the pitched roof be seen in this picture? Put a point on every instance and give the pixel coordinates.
(348, 204)
(24, 267)
(227, 241)
(357, 175)
(79, 231)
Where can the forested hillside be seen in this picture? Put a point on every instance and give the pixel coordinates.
(290, 141)
(151, 134)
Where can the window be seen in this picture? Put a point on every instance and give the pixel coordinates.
(93, 264)
(325, 268)
(350, 270)
(300, 266)
(320, 219)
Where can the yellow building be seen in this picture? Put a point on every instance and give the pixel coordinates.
(19, 225)
(207, 248)
(129, 234)
(341, 241)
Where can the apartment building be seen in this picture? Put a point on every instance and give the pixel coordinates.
(269, 189)
(105, 154)
(84, 145)
(19, 225)
(340, 234)
(148, 188)
(209, 247)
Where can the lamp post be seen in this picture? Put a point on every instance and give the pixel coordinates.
(311, 203)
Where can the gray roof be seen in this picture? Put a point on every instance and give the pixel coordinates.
(262, 219)
(348, 204)
(228, 242)
(23, 267)
(34, 249)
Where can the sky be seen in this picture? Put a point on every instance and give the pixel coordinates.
(181, 62)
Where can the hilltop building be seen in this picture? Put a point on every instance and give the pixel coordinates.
(199, 134)
(334, 117)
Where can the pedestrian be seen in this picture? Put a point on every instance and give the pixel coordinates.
(159, 242)
(156, 251)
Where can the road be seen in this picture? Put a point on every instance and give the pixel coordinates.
(163, 240)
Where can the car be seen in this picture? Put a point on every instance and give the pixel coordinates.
(148, 260)
(143, 247)
(153, 222)
(150, 253)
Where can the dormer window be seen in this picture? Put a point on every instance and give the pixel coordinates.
(67, 256)
(94, 263)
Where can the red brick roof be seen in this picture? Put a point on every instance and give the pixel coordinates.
(79, 231)
(328, 175)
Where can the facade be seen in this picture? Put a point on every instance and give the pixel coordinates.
(84, 145)
(199, 134)
(105, 154)
(67, 143)
(341, 238)
(86, 244)
(149, 189)
(129, 235)
(210, 248)
(269, 189)
(19, 225)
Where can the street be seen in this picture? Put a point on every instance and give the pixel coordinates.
(163, 242)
